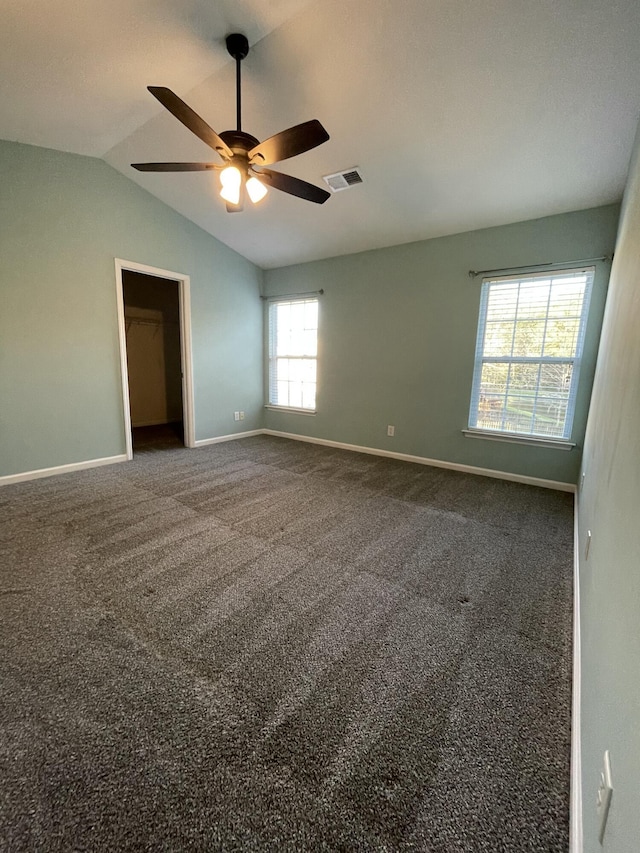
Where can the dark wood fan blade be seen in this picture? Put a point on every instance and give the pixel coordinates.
(190, 119)
(293, 186)
(289, 143)
(176, 167)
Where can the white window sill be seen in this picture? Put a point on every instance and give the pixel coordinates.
(290, 410)
(534, 440)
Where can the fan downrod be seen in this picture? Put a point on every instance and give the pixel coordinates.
(238, 47)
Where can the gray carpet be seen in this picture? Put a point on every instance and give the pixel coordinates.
(274, 646)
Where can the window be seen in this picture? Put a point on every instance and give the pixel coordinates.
(293, 350)
(530, 337)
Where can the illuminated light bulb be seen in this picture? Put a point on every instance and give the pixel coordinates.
(231, 179)
(256, 190)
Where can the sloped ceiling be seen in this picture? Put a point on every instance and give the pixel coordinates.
(460, 114)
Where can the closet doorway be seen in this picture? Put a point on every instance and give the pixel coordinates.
(155, 352)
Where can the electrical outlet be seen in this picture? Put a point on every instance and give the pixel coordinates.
(236, 416)
(603, 799)
(391, 430)
(241, 416)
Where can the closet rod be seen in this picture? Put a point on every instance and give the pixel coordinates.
(139, 321)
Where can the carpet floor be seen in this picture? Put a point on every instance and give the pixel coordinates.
(267, 645)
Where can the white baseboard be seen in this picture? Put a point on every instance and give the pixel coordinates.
(60, 469)
(374, 451)
(575, 808)
(203, 442)
(435, 463)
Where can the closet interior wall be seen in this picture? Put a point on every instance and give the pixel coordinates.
(152, 322)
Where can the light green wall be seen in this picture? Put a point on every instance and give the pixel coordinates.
(63, 220)
(397, 340)
(609, 506)
(397, 331)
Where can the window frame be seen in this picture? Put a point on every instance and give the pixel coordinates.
(272, 356)
(480, 359)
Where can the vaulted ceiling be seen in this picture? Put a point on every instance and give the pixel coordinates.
(459, 114)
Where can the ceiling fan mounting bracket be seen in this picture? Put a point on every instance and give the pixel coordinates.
(237, 45)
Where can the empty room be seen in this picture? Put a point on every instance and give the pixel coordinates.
(319, 444)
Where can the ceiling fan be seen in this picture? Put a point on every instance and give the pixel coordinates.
(243, 155)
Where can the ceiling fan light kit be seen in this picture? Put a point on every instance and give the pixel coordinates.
(244, 157)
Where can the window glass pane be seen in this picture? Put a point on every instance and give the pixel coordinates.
(550, 417)
(309, 370)
(567, 297)
(524, 379)
(296, 369)
(282, 368)
(498, 339)
(284, 317)
(529, 346)
(494, 378)
(293, 344)
(533, 300)
(295, 394)
(311, 314)
(308, 396)
(528, 338)
(309, 342)
(503, 299)
(282, 327)
(518, 414)
(490, 411)
(562, 337)
(555, 379)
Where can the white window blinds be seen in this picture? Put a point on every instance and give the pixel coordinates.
(530, 338)
(293, 350)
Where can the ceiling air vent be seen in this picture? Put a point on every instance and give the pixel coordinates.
(343, 180)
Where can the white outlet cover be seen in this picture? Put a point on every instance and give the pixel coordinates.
(603, 800)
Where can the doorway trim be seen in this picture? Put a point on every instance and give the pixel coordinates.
(184, 292)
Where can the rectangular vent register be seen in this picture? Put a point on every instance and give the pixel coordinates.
(343, 180)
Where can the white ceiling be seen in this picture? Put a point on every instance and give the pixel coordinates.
(461, 114)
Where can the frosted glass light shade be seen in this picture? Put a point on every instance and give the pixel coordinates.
(256, 190)
(231, 179)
